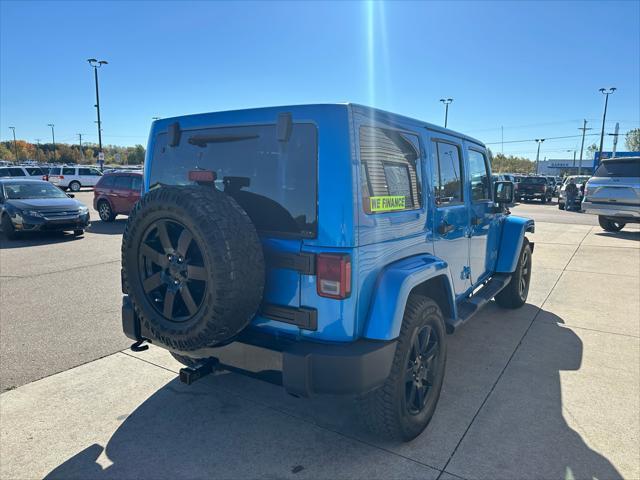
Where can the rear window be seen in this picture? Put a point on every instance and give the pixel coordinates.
(275, 182)
(390, 180)
(106, 181)
(535, 180)
(619, 168)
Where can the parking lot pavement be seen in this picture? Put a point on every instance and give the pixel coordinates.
(547, 391)
(59, 300)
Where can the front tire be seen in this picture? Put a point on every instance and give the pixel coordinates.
(7, 228)
(78, 233)
(609, 225)
(403, 406)
(514, 295)
(561, 206)
(74, 186)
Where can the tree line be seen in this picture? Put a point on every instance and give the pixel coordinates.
(65, 153)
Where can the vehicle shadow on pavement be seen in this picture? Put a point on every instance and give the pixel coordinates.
(230, 426)
(108, 228)
(626, 234)
(34, 239)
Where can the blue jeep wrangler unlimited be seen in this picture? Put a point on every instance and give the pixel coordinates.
(348, 239)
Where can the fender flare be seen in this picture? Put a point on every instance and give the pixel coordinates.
(513, 231)
(393, 287)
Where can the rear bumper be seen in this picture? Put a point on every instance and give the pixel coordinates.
(307, 368)
(612, 211)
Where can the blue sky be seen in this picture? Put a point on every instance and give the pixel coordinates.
(532, 67)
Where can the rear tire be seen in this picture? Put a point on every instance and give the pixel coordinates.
(610, 225)
(403, 406)
(78, 233)
(7, 228)
(514, 295)
(105, 211)
(561, 206)
(74, 186)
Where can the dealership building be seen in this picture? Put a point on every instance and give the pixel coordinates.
(563, 167)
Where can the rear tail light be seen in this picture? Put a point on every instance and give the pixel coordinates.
(333, 275)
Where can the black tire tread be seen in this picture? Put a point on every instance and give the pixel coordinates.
(609, 225)
(378, 408)
(509, 297)
(232, 242)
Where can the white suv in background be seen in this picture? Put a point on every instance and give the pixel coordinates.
(74, 177)
(25, 171)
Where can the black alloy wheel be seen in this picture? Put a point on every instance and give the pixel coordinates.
(172, 269)
(421, 369)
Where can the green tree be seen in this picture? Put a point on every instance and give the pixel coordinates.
(6, 153)
(632, 140)
(591, 151)
(136, 155)
(502, 164)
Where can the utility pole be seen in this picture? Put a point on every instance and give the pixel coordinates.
(606, 93)
(584, 131)
(539, 140)
(81, 152)
(15, 145)
(96, 64)
(53, 136)
(446, 102)
(502, 139)
(615, 135)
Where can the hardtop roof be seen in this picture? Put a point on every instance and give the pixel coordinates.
(362, 109)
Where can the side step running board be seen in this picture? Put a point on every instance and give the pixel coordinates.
(469, 307)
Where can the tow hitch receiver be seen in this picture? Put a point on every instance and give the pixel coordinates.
(189, 375)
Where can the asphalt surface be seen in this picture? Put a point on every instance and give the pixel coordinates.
(550, 213)
(59, 300)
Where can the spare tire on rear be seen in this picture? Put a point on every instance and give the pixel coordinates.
(192, 265)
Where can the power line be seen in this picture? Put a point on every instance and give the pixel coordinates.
(533, 139)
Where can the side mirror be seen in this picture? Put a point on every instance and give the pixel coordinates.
(71, 195)
(503, 193)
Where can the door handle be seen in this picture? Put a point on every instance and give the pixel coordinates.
(445, 228)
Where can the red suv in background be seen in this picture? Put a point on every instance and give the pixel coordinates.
(116, 193)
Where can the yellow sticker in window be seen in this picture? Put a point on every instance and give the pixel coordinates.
(387, 203)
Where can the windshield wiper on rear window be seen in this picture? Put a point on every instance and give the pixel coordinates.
(203, 140)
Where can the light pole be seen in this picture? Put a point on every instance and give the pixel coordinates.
(15, 145)
(574, 157)
(53, 136)
(96, 64)
(539, 140)
(446, 102)
(606, 94)
(37, 149)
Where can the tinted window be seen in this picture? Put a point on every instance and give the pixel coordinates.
(479, 176)
(84, 171)
(136, 183)
(618, 168)
(94, 172)
(107, 181)
(68, 171)
(535, 180)
(274, 181)
(4, 172)
(447, 179)
(122, 182)
(34, 171)
(391, 177)
(54, 171)
(16, 172)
